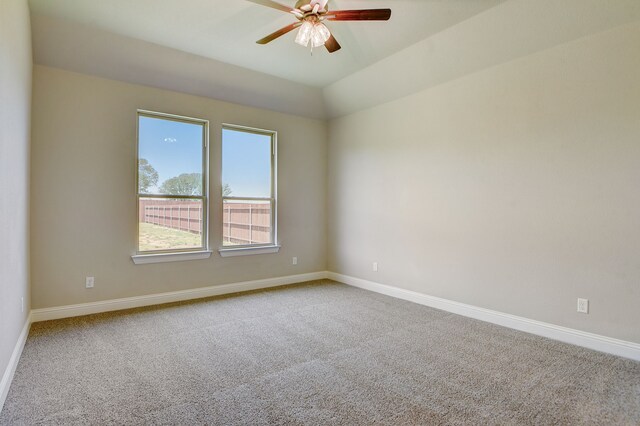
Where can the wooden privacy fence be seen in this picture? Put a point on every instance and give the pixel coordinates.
(246, 223)
(243, 223)
(183, 215)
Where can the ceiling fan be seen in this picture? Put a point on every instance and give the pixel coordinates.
(311, 14)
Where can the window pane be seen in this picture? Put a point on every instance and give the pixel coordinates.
(166, 224)
(246, 222)
(246, 164)
(169, 157)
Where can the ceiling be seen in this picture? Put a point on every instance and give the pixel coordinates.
(207, 47)
(226, 30)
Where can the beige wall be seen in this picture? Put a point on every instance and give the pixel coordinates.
(83, 155)
(514, 189)
(15, 105)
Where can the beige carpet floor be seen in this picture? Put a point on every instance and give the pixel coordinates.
(315, 353)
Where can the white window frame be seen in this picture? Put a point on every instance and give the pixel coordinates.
(261, 248)
(171, 255)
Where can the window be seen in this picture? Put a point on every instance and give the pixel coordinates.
(248, 188)
(171, 183)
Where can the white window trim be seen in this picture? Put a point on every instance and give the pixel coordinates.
(176, 255)
(142, 259)
(273, 247)
(248, 251)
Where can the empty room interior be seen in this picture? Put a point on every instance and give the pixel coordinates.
(353, 212)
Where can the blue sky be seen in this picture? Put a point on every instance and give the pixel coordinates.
(174, 147)
(171, 147)
(246, 163)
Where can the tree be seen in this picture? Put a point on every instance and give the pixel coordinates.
(184, 184)
(147, 175)
(226, 190)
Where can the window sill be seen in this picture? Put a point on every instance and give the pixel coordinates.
(141, 259)
(247, 251)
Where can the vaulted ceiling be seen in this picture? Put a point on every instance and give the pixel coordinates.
(207, 47)
(226, 30)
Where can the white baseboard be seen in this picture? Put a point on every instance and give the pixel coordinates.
(7, 377)
(568, 335)
(68, 311)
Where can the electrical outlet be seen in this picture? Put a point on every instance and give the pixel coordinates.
(294, 261)
(89, 282)
(583, 306)
(375, 267)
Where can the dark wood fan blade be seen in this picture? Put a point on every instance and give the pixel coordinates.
(360, 15)
(272, 4)
(280, 32)
(332, 44)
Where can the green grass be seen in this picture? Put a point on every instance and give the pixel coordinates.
(154, 237)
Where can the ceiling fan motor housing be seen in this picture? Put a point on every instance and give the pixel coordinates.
(301, 3)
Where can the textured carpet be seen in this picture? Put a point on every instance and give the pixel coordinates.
(315, 353)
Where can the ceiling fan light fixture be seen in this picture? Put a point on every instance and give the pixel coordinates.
(304, 34)
(313, 32)
(320, 34)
